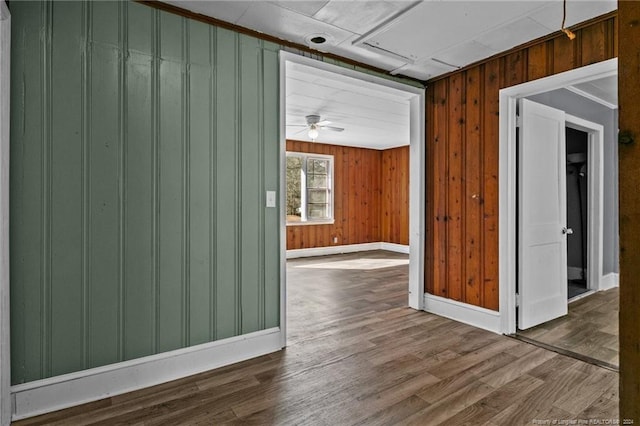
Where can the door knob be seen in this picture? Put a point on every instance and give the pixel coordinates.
(567, 231)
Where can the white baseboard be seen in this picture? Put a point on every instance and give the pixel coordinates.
(463, 312)
(349, 248)
(398, 248)
(43, 396)
(610, 281)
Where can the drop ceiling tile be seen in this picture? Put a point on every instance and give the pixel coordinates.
(465, 53)
(425, 69)
(513, 34)
(367, 56)
(434, 26)
(358, 16)
(228, 11)
(289, 25)
(577, 11)
(308, 8)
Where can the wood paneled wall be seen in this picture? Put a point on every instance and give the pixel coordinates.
(356, 198)
(462, 157)
(394, 215)
(360, 200)
(141, 148)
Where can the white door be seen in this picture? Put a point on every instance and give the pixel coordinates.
(542, 246)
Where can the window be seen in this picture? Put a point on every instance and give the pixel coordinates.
(309, 192)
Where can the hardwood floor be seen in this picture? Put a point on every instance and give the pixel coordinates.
(358, 356)
(589, 329)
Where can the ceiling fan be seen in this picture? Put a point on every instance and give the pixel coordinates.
(315, 125)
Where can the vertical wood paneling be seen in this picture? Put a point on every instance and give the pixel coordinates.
(103, 166)
(538, 61)
(515, 66)
(394, 208)
(200, 85)
(271, 179)
(462, 158)
(171, 184)
(473, 189)
(142, 144)
(564, 53)
(139, 293)
(66, 192)
(438, 149)
(27, 202)
(593, 43)
(455, 184)
(226, 182)
(251, 183)
(490, 198)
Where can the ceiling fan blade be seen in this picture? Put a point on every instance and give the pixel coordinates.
(323, 123)
(335, 129)
(300, 131)
(296, 125)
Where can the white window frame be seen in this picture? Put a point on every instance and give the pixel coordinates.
(304, 219)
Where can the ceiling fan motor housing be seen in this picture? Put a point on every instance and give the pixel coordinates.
(313, 119)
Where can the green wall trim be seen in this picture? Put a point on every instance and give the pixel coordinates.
(142, 144)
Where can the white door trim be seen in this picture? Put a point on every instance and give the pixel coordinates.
(595, 198)
(5, 333)
(507, 173)
(416, 173)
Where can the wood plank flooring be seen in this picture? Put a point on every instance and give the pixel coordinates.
(589, 329)
(358, 356)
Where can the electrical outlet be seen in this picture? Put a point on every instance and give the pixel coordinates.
(335, 240)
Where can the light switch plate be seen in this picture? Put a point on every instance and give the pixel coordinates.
(271, 198)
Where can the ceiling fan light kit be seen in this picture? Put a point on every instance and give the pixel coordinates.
(315, 125)
(313, 132)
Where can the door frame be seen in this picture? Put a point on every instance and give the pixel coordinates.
(595, 196)
(416, 176)
(5, 334)
(507, 174)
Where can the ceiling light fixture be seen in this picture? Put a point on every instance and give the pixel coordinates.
(318, 40)
(567, 31)
(313, 132)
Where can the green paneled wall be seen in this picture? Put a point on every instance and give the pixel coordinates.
(142, 144)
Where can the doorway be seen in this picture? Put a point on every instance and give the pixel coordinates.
(508, 229)
(577, 178)
(577, 314)
(415, 97)
(555, 192)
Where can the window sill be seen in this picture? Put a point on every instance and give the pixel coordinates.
(312, 222)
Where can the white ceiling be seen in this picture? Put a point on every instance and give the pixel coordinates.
(420, 39)
(372, 115)
(604, 91)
